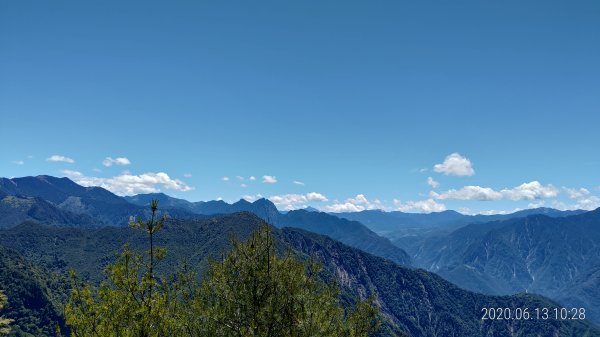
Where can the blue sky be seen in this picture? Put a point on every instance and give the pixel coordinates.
(356, 100)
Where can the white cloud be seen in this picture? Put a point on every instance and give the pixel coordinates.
(252, 198)
(468, 193)
(574, 193)
(296, 182)
(422, 206)
(110, 161)
(432, 183)
(465, 210)
(297, 201)
(495, 212)
(455, 165)
(530, 191)
(356, 204)
(187, 175)
(128, 184)
(360, 199)
(588, 203)
(314, 196)
(536, 204)
(243, 185)
(344, 207)
(252, 178)
(288, 199)
(57, 158)
(490, 212)
(225, 178)
(96, 169)
(527, 191)
(18, 162)
(582, 199)
(269, 179)
(423, 170)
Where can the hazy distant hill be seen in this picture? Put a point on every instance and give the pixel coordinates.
(391, 222)
(556, 257)
(352, 233)
(415, 301)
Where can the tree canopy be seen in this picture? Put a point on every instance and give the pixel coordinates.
(4, 322)
(252, 291)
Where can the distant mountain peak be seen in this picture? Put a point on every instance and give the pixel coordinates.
(264, 202)
(242, 202)
(55, 180)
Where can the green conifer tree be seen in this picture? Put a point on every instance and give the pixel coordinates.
(133, 302)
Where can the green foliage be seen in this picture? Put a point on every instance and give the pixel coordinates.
(122, 306)
(35, 296)
(250, 292)
(132, 302)
(89, 251)
(4, 322)
(253, 292)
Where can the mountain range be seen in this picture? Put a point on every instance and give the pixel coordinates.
(395, 223)
(414, 302)
(558, 257)
(62, 201)
(430, 239)
(54, 224)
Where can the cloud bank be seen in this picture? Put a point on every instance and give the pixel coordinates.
(528, 191)
(130, 184)
(356, 204)
(422, 206)
(296, 201)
